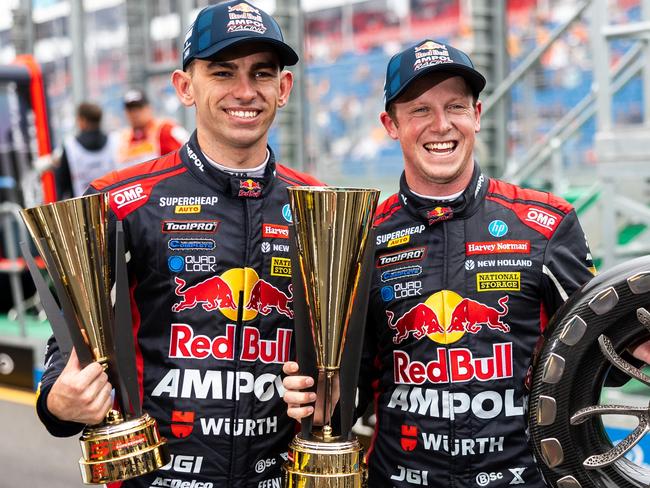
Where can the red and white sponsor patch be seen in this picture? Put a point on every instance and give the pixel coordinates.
(184, 344)
(455, 365)
(275, 231)
(542, 219)
(497, 247)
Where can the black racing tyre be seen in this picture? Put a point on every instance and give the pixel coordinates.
(570, 368)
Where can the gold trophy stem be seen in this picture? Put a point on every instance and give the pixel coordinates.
(327, 406)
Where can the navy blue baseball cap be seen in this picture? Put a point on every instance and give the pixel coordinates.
(227, 24)
(428, 56)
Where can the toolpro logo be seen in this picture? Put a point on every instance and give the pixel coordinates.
(223, 293)
(190, 226)
(398, 257)
(446, 316)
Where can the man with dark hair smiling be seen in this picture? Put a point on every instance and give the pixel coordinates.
(469, 269)
(206, 228)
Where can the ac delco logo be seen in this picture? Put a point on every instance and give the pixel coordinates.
(190, 226)
(128, 195)
(540, 217)
(275, 231)
(413, 254)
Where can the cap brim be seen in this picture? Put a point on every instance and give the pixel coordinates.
(288, 56)
(475, 80)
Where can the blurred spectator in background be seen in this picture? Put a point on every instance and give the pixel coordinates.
(147, 137)
(86, 156)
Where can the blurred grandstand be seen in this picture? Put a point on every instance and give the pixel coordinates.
(542, 114)
(539, 128)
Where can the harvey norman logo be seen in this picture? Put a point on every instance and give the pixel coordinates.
(275, 231)
(189, 226)
(497, 247)
(127, 196)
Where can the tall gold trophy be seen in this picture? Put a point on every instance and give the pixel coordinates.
(71, 236)
(332, 265)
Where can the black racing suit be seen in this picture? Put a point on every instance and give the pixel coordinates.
(198, 237)
(461, 292)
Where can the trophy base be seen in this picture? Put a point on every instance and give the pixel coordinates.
(117, 450)
(321, 464)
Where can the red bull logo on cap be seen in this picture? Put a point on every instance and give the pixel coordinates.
(222, 293)
(243, 8)
(446, 316)
(430, 53)
(245, 17)
(429, 46)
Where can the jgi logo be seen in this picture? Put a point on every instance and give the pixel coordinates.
(412, 476)
(184, 464)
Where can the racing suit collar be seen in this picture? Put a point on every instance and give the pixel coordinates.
(237, 186)
(432, 211)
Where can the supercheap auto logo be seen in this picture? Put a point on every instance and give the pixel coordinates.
(446, 316)
(223, 292)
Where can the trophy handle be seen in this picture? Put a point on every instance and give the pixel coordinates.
(305, 354)
(68, 321)
(124, 353)
(54, 314)
(351, 360)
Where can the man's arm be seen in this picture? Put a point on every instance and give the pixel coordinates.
(567, 263)
(69, 395)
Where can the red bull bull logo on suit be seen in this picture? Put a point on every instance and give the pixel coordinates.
(222, 293)
(445, 317)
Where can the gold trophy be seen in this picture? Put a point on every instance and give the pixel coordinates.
(332, 265)
(71, 236)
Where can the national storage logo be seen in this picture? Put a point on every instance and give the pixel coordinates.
(281, 267)
(501, 281)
